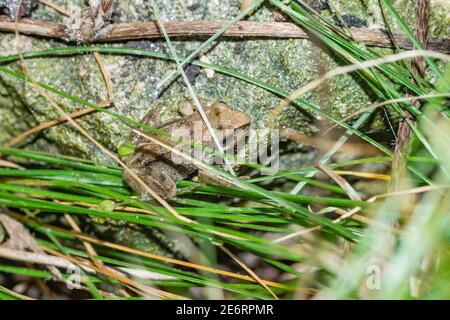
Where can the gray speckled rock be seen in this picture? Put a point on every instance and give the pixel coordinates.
(285, 63)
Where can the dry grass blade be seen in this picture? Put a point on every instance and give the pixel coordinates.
(340, 181)
(55, 7)
(35, 258)
(369, 175)
(11, 165)
(410, 191)
(247, 269)
(15, 294)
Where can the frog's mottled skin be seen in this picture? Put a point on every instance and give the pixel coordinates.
(154, 164)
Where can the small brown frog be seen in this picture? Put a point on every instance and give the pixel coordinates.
(155, 165)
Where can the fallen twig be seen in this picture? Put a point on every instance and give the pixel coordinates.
(191, 29)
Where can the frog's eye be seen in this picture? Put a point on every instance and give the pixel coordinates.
(216, 111)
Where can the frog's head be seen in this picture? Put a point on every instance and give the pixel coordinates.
(227, 118)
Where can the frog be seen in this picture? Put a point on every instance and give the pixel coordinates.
(157, 167)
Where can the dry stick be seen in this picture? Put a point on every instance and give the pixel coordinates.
(52, 123)
(33, 257)
(36, 258)
(403, 143)
(195, 29)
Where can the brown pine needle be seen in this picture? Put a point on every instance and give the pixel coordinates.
(55, 122)
(249, 271)
(369, 175)
(105, 74)
(55, 7)
(89, 248)
(352, 194)
(15, 294)
(11, 165)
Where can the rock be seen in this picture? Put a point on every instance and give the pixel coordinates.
(287, 64)
(10, 7)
